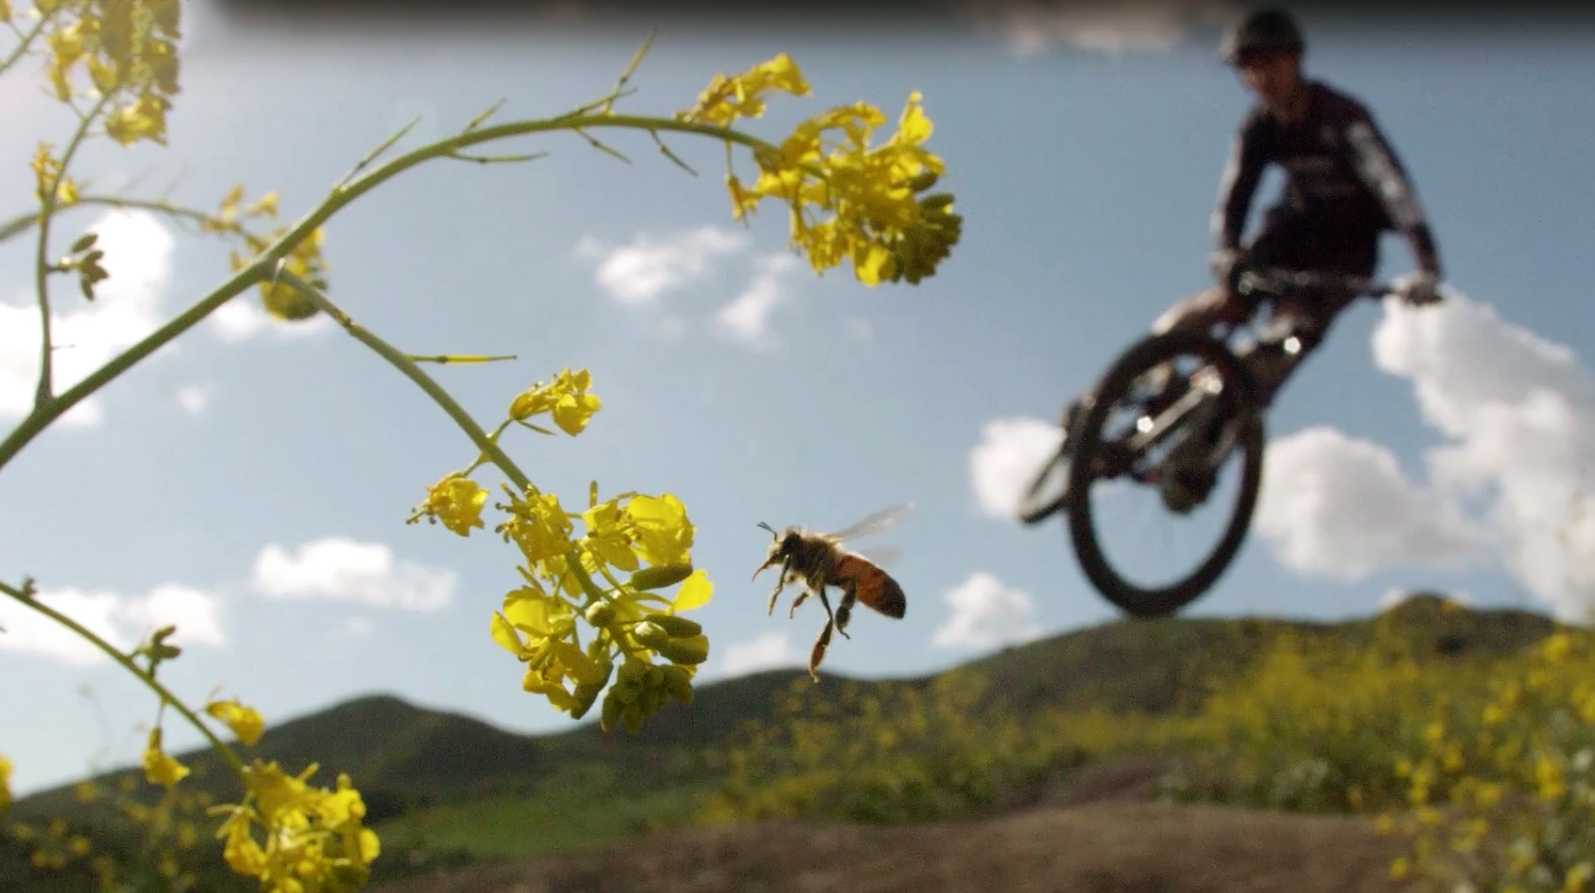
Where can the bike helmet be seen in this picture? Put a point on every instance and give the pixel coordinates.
(1265, 30)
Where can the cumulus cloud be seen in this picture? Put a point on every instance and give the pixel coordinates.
(747, 317)
(126, 307)
(1516, 414)
(244, 318)
(341, 569)
(1110, 26)
(984, 613)
(194, 398)
(121, 620)
(1341, 507)
(638, 273)
(1010, 452)
(767, 652)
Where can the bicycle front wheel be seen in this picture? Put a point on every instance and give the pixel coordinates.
(1142, 477)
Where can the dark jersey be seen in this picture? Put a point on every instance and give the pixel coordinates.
(1339, 169)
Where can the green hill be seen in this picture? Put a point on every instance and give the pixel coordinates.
(446, 779)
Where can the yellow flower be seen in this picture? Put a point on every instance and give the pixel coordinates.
(5, 784)
(538, 525)
(664, 533)
(455, 500)
(565, 397)
(728, 98)
(160, 768)
(245, 722)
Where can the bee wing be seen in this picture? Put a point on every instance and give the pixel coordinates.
(883, 556)
(876, 523)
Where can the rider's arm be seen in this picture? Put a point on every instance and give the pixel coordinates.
(1381, 169)
(1242, 172)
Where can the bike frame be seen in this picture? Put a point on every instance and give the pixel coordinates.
(1282, 334)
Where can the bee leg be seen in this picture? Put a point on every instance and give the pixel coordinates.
(818, 654)
(780, 583)
(831, 614)
(802, 597)
(844, 611)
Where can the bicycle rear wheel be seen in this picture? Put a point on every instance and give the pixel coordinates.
(1085, 530)
(1048, 490)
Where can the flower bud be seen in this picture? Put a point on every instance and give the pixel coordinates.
(678, 683)
(650, 634)
(631, 717)
(676, 626)
(660, 576)
(600, 613)
(610, 716)
(686, 651)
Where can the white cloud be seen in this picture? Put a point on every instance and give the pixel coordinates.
(768, 652)
(1010, 452)
(1519, 414)
(120, 620)
(126, 308)
(340, 569)
(357, 626)
(1341, 507)
(194, 398)
(747, 317)
(986, 614)
(638, 273)
(1512, 477)
(244, 318)
(858, 329)
(1109, 26)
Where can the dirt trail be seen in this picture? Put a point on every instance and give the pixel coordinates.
(1097, 847)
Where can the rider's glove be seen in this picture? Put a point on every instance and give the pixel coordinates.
(1419, 288)
(1226, 265)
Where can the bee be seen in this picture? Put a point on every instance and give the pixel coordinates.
(818, 560)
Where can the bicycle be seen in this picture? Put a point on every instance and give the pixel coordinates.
(1209, 413)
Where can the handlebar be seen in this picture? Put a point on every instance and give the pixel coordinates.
(1275, 280)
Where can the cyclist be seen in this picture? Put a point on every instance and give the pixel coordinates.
(1345, 186)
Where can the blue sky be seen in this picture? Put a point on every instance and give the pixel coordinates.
(1418, 449)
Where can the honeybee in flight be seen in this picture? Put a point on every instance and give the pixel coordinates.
(818, 560)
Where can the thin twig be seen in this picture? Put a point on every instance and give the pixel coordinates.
(631, 69)
(445, 359)
(496, 159)
(596, 144)
(372, 155)
(671, 155)
(477, 121)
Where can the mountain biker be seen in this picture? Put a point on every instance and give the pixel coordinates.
(1344, 188)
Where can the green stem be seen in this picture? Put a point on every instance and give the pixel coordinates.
(401, 361)
(41, 418)
(127, 663)
(21, 224)
(27, 40)
(42, 261)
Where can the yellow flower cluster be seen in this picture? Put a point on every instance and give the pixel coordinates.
(314, 839)
(849, 199)
(129, 50)
(5, 784)
(631, 546)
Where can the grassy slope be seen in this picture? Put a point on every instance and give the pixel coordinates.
(449, 780)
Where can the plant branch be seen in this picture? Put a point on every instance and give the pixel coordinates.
(404, 364)
(25, 40)
(337, 201)
(42, 265)
(161, 691)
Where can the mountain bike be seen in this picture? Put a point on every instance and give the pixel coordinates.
(1183, 426)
